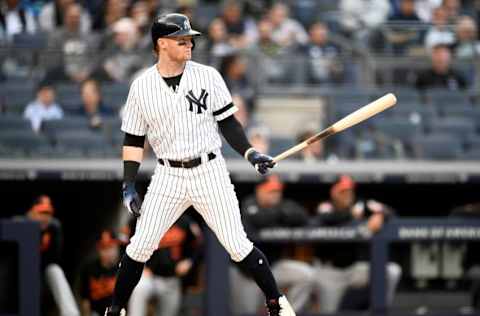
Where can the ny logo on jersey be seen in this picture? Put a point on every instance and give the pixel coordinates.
(201, 101)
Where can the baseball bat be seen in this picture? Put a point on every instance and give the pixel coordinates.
(354, 118)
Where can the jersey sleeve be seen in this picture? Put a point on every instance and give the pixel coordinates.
(223, 105)
(133, 121)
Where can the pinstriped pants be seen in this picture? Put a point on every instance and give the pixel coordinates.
(208, 189)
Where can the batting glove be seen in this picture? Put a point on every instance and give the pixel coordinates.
(261, 162)
(131, 200)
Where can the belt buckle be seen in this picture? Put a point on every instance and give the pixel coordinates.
(184, 163)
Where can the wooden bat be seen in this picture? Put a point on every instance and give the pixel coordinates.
(354, 118)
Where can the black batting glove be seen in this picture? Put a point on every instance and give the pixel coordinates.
(131, 200)
(260, 161)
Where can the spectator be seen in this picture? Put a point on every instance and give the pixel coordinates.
(178, 252)
(140, 15)
(52, 16)
(241, 31)
(441, 74)
(404, 30)
(439, 32)
(425, 8)
(217, 45)
(259, 137)
(286, 32)
(76, 49)
(467, 45)
(269, 54)
(315, 151)
(406, 12)
(234, 70)
(43, 108)
(323, 63)
(111, 12)
(98, 276)
(344, 266)
(452, 8)
(122, 58)
(92, 106)
(51, 243)
(14, 19)
(267, 208)
(360, 17)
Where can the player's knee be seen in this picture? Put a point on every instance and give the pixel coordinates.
(238, 254)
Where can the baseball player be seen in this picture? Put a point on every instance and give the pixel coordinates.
(181, 106)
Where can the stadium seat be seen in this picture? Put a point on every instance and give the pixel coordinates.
(68, 96)
(459, 111)
(442, 98)
(399, 128)
(17, 95)
(54, 128)
(280, 144)
(23, 141)
(473, 154)
(84, 142)
(228, 151)
(115, 94)
(14, 122)
(437, 147)
(459, 127)
(35, 41)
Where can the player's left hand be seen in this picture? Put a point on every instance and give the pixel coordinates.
(260, 161)
(131, 200)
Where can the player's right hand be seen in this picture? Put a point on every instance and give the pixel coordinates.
(131, 200)
(260, 161)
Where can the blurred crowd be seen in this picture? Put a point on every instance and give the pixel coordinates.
(292, 42)
(317, 277)
(67, 66)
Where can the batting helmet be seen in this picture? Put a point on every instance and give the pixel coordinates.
(171, 25)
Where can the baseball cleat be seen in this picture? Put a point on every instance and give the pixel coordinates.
(280, 307)
(115, 312)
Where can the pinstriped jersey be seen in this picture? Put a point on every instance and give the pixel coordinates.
(179, 124)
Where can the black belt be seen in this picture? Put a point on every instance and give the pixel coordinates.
(187, 164)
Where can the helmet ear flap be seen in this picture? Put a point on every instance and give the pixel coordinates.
(193, 43)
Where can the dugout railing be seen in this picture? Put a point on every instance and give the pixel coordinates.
(396, 230)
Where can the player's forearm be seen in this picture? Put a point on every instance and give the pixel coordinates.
(233, 132)
(132, 156)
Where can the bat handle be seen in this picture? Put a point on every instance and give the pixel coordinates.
(290, 152)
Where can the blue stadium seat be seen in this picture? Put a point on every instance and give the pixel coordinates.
(280, 144)
(473, 154)
(228, 152)
(115, 94)
(459, 127)
(17, 94)
(437, 147)
(83, 142)
(14, 122)
(23, 141)
(459, 111)
(54, 128)
(35, 41)
(398, 128)
(68, 96)
(442, 98)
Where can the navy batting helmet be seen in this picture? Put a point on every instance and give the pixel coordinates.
(171, 25)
